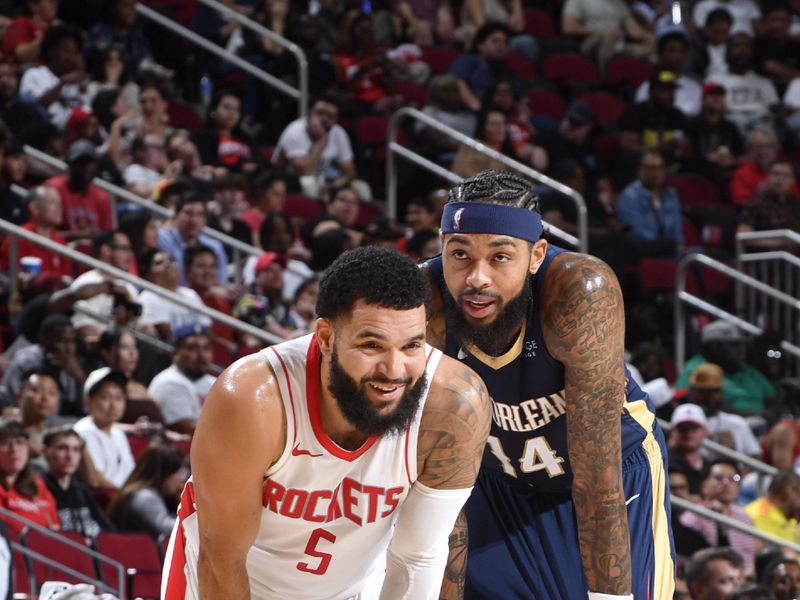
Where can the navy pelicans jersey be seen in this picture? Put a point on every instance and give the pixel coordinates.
(528, 440)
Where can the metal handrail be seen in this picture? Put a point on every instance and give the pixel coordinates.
(30, 525)
(299, 53)
(222, 53)
(581, 242)
(681, 296)
(16, 231)
(771, 234)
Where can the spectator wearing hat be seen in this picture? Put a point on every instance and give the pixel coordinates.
(777, 206)
(748, 96)
(181, 388)
(689, 429)
(672, 47)
(44, 207)
(107, 454)
(777, 54)
(705, 390)
(571, 140)
(86, 208)
(776, 512)
(263, 306)
(745, 390)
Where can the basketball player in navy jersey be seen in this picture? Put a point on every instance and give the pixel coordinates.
(572, 497)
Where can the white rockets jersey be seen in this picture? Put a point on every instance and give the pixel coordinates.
(328, 513)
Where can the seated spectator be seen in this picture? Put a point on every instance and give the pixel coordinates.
(708, 47)
(705, 390)
(109, 73)
(220, 142)
(146, 170)
(421, 215)
(571, 140)
(775, 513)
(427, 21)
(687, 540)
(22, 492)
(118, 29)
(749, 97)
(446, 105)
(185, 162)
(77, 509)
(44, 206)
(116, 303)
(745, 13)
(303, 310)
(782, 577)
(263, 305)
(689, 429)
(341, 206)
(117, 349)
(56, 352)
(423, 245)
(518, 119)
(751, 176)
(22, 41)
(602, 28)
(149, 499)
(777, 206)
(56, 84)
(114, 113)
(229, 204)
(107, 451)
(159, 314)
(720, 491)
(86, 208)
(154, 101)
(477, 13)
(190, 219)
(181, 389)
(142, 231)
(745, 390)
(652, 210)
(478, 70)
(714, 573)
(18, 113)
(492, 131)
(38, 402)
(777, 55)
(270, 197)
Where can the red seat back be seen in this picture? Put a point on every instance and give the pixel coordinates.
(565, 68)
(61, 553)
(546, 103)
(439, 58)
(413, 93)
(657, 274)
(606, 107)
(136, 551)
(693, 190)
(183, 116)
(628, 72)
(539, 23)
(521, 65)
(302, 207)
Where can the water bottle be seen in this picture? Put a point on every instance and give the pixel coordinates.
(677, 17)
(206, 90)
(366, 7)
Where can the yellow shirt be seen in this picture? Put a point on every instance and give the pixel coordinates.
(769, 519)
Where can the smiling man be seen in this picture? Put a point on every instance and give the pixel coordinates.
(314, 456)
(575, 456)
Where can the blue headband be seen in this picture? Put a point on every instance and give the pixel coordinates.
(480, 217)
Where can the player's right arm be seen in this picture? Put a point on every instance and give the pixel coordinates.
(240, 433)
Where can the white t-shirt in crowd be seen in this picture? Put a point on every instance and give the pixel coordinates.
(177, 396)
(737, 426)
(743, 13)
(295, 142)
(157, 310)
(687, 95)
(748, 97)
(37, 81)
(135, 173)
(110, 452)
(791, 96)
(102, 304)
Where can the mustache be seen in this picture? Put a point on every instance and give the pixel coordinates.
(476, 293)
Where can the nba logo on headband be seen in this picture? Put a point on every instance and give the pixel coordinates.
(457, 218)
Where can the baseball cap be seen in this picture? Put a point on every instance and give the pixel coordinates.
(580, 113)
(81, 148)
(664, 78)
(689, 413)
(267, 259)
(707, 376)
(99, 376)
(186, 331)
(712, 88)
(721, 331)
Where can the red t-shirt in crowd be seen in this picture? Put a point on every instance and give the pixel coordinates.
(41, 509)
(51, 262)
(369, 87)
(91, 211)
(20, 31)
(748, 180)
(254, 218)
(231, 151)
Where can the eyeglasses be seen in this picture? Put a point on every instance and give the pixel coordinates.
(727, 478)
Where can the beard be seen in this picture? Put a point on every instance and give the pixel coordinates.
(493, 338)
(351, 396)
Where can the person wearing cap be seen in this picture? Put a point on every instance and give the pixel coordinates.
(108, 455)
(672, 46)
(87, 208)
(263, 305)
(745, 390)
(44, 206)
(180, 389)
(689, 429)
(776, 512)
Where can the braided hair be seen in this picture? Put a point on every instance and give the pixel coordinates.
(496, 187)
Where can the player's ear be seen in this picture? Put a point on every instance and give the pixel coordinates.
(325, 335)
(538, 253)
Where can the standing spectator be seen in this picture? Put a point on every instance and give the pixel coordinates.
(652, 210)
(181, 389)
(86, 208)
(107, 449)
(477, 13)
(190, 219)
(220, 142)
(59, 84)
(689, 429)
(38, 402)
(77, 509)
(776, 207)
(714, 573)
(44, 206)
(775, 512)
(118, 30)
(745, 13)
(749, 96)
(750, 177)
(270, 192)
(22, 41)
(777, 55)
(316, 149)
(22, 491)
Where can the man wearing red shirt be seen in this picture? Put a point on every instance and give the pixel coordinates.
(751, 177)
(44, 205)
(86, 208)
(23, 38)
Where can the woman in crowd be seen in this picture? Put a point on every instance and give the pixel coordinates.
(521, 131)
(492, 130)
(117, 348)
(142, 230)
(221, 142)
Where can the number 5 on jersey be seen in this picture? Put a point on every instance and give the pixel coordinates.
(536, 455)
(311, 549)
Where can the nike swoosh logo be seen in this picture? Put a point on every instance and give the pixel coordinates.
(631, 499)
(296, 451)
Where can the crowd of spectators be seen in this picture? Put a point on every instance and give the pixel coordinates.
(678, 122)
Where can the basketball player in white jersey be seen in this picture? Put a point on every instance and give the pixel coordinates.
(315, 456)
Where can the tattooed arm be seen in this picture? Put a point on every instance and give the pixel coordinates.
(453, 432)
(584, 328)
(455, 571)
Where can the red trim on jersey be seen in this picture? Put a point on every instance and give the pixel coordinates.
(291, 395)
(176, 578)
(313, 362)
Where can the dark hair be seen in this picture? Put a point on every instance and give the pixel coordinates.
(157, 84)
(266, 180)
(326, 247)
(697, 569)
(496, 187)
(192, 252)
(718, 14)
(486, 31)
(771, 6)
(268, 226)
(764, 559)
(750, 591)
(303, 287)
(55, 35)
(783, 481)
(110, 338)
(54, 433)
(379, 276)
(51, 325)
(97, 63)
(772, 566)
(480, 125)
(179, 187)
(417, 241)
(104, 238)
(41, 372)
(145, 262)
(231, 181)
(211, 118)
(325, 97)
(725, 461)
(102, 104)
(423, 202)
(25, 482)
(188, 197)
(650, 154)
(669, 37)
(334, 191)
(133, 225)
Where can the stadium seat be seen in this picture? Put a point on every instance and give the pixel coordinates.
(302, 207)
(628, 73)
(366, 212)
(183, 116)
(691, 236)
(439, 58)
(693, 190)
(62, 553)
(657, 274)
(546, 103)
(606, 145)
(136, 551)
(606, 107)
(539, 23)
(138, 444)
(563, 67)
(20, 574)
(414, 94)
(521, 65)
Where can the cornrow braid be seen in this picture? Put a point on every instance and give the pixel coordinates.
(496, 187)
